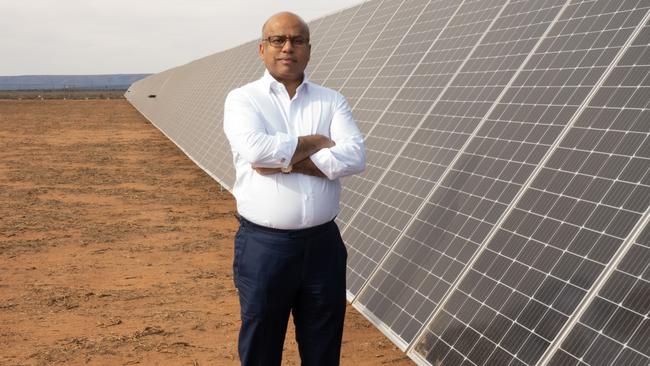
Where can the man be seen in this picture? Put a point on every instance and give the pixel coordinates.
(291, 140)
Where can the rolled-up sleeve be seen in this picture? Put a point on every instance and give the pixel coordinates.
(348, 156)
(248, 137)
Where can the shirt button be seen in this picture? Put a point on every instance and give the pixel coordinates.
(283, 160)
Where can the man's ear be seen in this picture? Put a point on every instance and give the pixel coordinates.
(261, 50)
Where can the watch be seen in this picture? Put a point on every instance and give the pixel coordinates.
(287, 170)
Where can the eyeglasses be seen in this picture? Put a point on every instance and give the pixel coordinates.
(280, 41)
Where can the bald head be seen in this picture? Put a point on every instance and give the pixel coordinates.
(284, 18)
(285, 60)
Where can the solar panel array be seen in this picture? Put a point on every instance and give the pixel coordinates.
(503, 216)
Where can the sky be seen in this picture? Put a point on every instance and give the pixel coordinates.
(79, 37)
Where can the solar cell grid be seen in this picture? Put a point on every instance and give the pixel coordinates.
(330, 30)
(395, 126)
(615, 329)
(203, 107)
(386, 28)
(363, 42)
(163, 93)
(556, 242)
(195, 122)
(318, 30)
(368, 91)
(342, 40)
(251, 69)
(171, 90)
(404, 293)
(138, 93)
(184, 115)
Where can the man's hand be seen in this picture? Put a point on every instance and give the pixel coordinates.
(307, 167)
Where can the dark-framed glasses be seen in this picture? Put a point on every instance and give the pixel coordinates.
(279, 41)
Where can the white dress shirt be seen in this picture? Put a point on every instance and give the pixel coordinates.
(263, 124)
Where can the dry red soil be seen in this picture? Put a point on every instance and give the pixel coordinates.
(115, 249)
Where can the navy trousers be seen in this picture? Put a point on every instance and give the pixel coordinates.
(282, 271)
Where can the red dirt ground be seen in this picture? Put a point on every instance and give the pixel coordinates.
(115, 249)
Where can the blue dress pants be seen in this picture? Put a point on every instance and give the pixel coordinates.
(281, 271)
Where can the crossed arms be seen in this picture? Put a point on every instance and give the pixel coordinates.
(332, 157)
(307, 146)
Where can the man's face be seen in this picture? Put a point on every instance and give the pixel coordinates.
(288, 62)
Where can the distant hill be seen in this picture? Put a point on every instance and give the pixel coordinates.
(47, 82)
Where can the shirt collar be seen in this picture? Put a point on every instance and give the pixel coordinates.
(271, 84)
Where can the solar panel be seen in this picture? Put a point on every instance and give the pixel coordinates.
(541, 262)
(199, 135)
(372, 83)
(395, 126)
(418, 271)
(330, 31)
(362, 43)
(139, 93)
(342, 40)
(615, 328)
(216, 142)
(368, 52)
(503, 216)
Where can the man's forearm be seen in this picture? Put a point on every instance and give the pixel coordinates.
(307, 167)
(308, 145)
